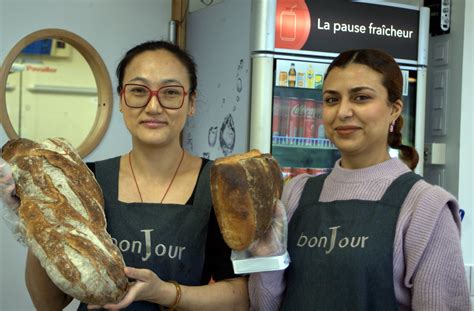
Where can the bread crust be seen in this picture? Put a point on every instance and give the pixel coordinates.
(245, 187)
(62, 220)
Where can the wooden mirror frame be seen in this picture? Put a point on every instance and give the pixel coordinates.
(99, 70)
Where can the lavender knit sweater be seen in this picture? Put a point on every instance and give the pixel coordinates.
(428, 269)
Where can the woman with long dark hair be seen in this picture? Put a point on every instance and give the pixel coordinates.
(370, 235)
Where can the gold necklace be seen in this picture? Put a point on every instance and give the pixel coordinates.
(171, 182)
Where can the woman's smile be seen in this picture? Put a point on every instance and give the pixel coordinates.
(153, 123)
(346, 130)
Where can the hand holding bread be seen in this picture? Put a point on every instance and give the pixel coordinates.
(62, 221)
(274, 241)
(7, 186)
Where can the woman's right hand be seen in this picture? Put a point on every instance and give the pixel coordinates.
(7, 186)
(273, 242)
(145, 287)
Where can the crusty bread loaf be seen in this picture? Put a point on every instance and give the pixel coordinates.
(61, 219)
(245, 187)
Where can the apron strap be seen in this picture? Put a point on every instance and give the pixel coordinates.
(203, 189)
(107, 172)
(398, 190)
(312, 189)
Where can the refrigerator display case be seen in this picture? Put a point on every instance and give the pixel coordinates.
(298, 138)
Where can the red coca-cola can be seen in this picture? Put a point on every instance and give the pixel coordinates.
(284, 117)
(318, 120)
(309, 118)
(316, 171)
(276, 116)
(300, 170)
(294, 115)
(286, 172)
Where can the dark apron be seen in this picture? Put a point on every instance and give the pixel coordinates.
(342, 251)
(168, 239)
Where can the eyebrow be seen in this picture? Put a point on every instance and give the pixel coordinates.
(146, 81)
(361, 88)
(353, 90)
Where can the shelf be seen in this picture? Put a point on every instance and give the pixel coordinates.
(301, 152)
(284, 91)
(302, 142)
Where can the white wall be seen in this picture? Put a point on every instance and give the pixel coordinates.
(466, 146)
(112, 27)
(224, 78)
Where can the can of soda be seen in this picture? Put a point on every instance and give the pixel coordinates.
(318, 81)
(309, 119)
(299, 170)
(276, 116)
(300, 79)
(284, 117)
(286, 172)
(316, 171)
(283, 78)
(318, 120)
(294, 115)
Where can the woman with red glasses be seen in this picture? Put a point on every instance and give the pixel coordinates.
(157, 198)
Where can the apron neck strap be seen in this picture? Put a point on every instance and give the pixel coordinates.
(312, 189)
(398, 190)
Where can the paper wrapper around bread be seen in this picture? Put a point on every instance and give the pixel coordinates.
(61, 219)
(245, 187)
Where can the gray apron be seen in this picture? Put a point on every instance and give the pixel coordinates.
(342, 251)
(168, 239)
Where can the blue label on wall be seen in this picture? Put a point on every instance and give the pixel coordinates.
(39, 47)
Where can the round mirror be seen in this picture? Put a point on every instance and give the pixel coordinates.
(53, 83)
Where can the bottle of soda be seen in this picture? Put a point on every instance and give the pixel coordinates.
(292, 76)
(310, 77)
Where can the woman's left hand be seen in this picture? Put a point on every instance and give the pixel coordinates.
(145, 288)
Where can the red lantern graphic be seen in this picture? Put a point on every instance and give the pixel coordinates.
(293, 24)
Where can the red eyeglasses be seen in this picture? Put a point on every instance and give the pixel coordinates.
(138, 95)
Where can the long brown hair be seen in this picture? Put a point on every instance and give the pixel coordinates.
(392, 80)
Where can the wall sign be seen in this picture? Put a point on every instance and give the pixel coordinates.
(339, 25)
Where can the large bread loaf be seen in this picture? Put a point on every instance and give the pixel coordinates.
(245, 188)
(61, 219)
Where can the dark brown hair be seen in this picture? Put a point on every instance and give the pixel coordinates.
(392, 80)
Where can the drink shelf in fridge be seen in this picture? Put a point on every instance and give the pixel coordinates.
(285, 91)
(302, 142)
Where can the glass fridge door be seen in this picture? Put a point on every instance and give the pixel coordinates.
(298, 139)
